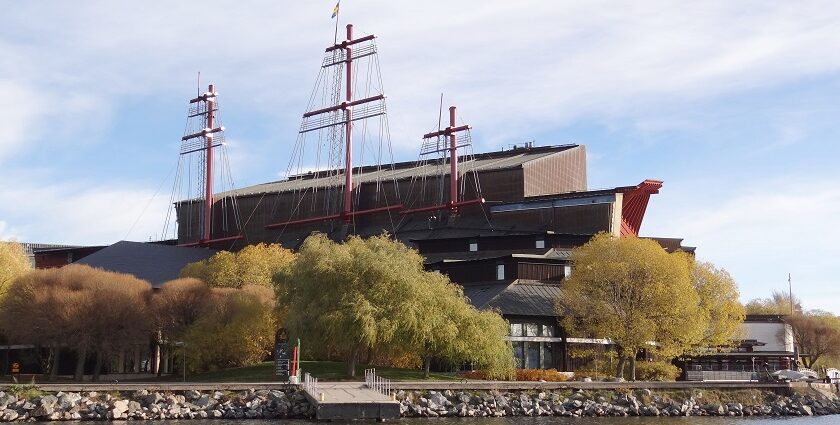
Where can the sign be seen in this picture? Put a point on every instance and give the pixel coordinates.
(15, 368)
(282, 360)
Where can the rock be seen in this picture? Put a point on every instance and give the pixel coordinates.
(133, 406)
(437, 398)
(41, 411)
(9, 415)
(805, 410)
(151, 399)
(69, 400)
(643, 392)
(204, 401)
(192, 394)
(48, 400)
(118, 407)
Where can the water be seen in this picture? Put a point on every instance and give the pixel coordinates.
(548, 420)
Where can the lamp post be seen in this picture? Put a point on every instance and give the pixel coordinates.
(184, 356)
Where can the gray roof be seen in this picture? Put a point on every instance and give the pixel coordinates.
(480, 162)
(517, 298)
(151, 262)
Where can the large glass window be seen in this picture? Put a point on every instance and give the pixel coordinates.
(532, 329)
(519, 354)
(533, 355)
(500, 272)
(547, 330)
(547, 361)
(516, 329)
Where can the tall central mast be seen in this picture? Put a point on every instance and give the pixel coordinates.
(346, 212)
(208, 178)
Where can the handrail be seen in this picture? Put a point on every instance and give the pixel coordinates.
(377, 383)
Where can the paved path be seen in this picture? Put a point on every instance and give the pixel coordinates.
(349, 392)
(350, 401)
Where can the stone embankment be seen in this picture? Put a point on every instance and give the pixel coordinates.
(580, 403)
(140, 405)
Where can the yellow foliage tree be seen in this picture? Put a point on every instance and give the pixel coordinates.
(632, 292)
(253, 265)
(13, 263)
(719, 303)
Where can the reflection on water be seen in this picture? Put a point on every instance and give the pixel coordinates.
(548, 420)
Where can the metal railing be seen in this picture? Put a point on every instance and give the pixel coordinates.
(377, 383)
(310, 384)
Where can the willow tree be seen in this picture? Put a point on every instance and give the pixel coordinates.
(632, 292)
(777, 303)
(253, 265)
(13, 263)
(373, 293)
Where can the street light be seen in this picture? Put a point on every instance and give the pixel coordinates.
(184, 345)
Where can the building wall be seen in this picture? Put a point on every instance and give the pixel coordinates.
(777, 336)
(561, 172)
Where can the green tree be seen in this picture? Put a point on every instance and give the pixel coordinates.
(253, 265)
(13, 263)
(351, 297)
(634, 293)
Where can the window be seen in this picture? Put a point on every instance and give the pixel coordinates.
(516, 329)
(546, 362)
(547, 330)
(540, 243)
(567, 271)
(500, 272)
(532, 329)
(533, 355)
(519, 354)
(473, 245)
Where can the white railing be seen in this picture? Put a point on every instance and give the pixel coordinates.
(377, 383)
(310, 384)
(808, 372)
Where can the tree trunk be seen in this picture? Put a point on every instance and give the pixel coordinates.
(79, 374)
(427, 366)
(633, 367)
(351, 362)
(97, 366)
(55, 362)
(622, 359)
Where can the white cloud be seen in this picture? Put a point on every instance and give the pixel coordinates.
(761, 232)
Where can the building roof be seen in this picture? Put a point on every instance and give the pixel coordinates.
(489, 161)
(515, 298)
(151, 262)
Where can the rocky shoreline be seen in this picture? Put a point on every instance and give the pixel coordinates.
(145, 405)
(581, 404)
(32, 404)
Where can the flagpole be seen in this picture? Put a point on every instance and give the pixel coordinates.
(337, 11)
(790, 294)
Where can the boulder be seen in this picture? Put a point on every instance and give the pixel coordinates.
(118, 407)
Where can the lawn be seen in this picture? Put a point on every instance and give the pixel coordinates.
(324, 371)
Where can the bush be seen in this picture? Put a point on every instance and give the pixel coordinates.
(473, 374)
(548, 375)
(657, 371)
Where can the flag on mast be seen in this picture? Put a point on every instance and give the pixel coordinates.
(335, 9)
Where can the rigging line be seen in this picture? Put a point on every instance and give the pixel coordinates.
(171, 204)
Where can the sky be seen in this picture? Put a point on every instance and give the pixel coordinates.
(732, 104)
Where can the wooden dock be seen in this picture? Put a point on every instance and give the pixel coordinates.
(341, 401)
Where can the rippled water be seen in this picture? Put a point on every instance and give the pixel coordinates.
(548, 420)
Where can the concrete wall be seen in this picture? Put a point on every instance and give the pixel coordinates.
(777, 336)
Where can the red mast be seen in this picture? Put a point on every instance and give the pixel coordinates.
(206, 141)
(316, 120)
(451, 133)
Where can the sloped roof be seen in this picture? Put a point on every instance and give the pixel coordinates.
(151, 262)
(517, 298)
(480, 162)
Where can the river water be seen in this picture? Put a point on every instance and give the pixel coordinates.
(549, 420)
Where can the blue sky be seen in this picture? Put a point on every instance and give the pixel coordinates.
(733, 104)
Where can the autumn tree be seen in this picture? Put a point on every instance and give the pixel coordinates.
(777, 303)
(632, 292)
(364, 293)
(817, 333)
(91, 311)
(718, 295)
(13, 263)
(253, 265)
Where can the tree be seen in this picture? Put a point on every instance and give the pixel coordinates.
(373, 293)
(253, 265)
(777, 303)
(817, 333)
(91, 311)
(719, 296)
(13, 263)
(237, 330)
(632, 292)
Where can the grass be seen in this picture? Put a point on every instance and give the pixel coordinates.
(325, 371)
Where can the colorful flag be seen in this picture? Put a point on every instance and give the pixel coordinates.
(335, 10)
